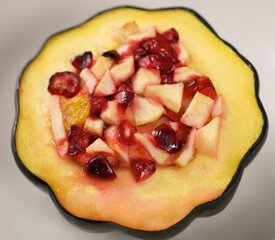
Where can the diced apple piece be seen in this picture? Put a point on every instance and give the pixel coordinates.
(218, 110)
(184, 74)
(58, 128)
(187, 152)
(182, 53)
(124, 49)
(146, 33)
(99, 146)
(122, 32)
(123, 70)
(101, 65)
(207, 138)
(89, 79)
(198, 111)
(145, 110)
(145, 77)
(105, 86)
(170, 95)
(110, 113)
(129, 115)
(156, 153)
(94, 126)
(111, 139)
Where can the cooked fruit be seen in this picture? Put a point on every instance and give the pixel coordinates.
(106, 86)
(89, 79)
(123, 70)
(207, 138)
(99, 166)
(163, 93)
(171, 35)
(139, 36)
(110, 113)
(125, 97)
(122, 32)
(145, 77)
(172, 192)
(65, 84)
(113, 54)
(187, 152)
(218, 109)
(184, 74)
(99, 146)
(146, 111)
(198, 111)
(126, 132)
(58, 129)
(82, 61)
(143, 169)
(94, 126)
(75, 110)
(156, 153)
(101, 66)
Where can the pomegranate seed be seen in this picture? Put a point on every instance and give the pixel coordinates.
(171, 35)
(99, 166)
(83, 60)
(113, 54)
(126, 132)
(143, 169)
(125, 97)
(66, 84)
(79, 140)
(166, 138)
(97, 103)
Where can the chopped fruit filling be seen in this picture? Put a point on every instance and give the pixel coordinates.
(99, 166)
(139, 106)
(82, 61)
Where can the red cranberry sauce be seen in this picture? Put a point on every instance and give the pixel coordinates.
(99, 167)
(143, 169)
(82, 61)
(97, 103)
(202, 85)
(65, 84)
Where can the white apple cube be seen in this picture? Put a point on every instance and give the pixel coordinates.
(121, 150)
(58, 128)
(89, 79)
(198, 111)
(94, 126)
(121, 33)
(145, 77)
(101, 65)
(99, 146)
(170, 95)
(123, 70)
(207, 138)
(187, 152)
(182, 53)
(149, 32)
(159, 155)
(184, 74)
(145, 110)
(106, 86)
(218, 109)
(110, 113)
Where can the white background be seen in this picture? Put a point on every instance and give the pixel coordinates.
(28, 213)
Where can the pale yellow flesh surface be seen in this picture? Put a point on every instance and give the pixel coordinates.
(172, 192)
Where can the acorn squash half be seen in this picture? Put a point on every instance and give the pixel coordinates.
(172, 193)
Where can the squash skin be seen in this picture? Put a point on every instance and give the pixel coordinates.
(205, 209)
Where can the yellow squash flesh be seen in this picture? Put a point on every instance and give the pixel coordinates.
(172, 192)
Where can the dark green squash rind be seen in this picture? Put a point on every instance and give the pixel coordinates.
(206, 209)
